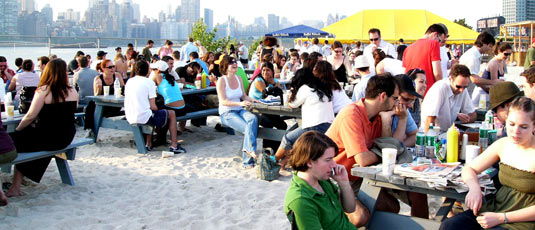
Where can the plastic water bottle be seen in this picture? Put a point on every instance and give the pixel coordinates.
(420, 144)
(117, 87)
(489, 119)
(431, 136)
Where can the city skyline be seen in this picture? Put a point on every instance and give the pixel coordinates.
(246, 11)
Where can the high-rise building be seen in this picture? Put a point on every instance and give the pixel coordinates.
(273, 22)
(190, 10)
(209, 18)
(48, 14)
(8, 21)
(518, 10)
(161, 16)
(25, 6)
(174, 30)
(285, 23)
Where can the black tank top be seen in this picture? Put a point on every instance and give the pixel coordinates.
(112, 90)
(341, 74)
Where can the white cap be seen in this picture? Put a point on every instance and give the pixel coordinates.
(361, 62)
(160, 65)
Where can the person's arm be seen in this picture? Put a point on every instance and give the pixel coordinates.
(260, 85)
(386, 121)
(347, 196)
(493, 69)
(474, 197)
(410, 138)
(482, 82)
(437, 70)
(153, 106)
(97, 84)
(8, 74)
(35, 107)
(349, 70)
(13, 84)
(428, 121)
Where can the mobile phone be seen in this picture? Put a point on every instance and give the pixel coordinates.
(332, 172)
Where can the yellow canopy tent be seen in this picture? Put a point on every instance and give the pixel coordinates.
(395, 24)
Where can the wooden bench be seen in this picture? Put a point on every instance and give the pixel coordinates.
(61, 157)
(121, 123)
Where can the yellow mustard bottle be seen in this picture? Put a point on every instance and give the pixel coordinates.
(453, 144)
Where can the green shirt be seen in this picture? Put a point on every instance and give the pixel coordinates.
(530, 56)
(146, 53)
(313, 209)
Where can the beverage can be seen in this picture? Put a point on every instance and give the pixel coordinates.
(419, 150)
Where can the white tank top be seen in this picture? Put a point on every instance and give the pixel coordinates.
(232, 95)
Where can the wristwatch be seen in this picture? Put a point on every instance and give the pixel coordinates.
(505, 221)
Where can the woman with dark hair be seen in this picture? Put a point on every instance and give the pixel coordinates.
(25, 79)
(269, 47)
(315, 99)
(385, 63)
(313, 201)
(496, 69)
(166, 49)
(324, 71)
(513, 206)
(420, 84)
(340, 63)
(232, 99)
(48, 125)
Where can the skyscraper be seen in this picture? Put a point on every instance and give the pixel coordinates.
(48, 13)
(27, 6)
(8, 21)
(190, 10)
(273, 22)
(209, 18)
(518, 10)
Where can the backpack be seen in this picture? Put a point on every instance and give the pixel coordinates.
(26, 97)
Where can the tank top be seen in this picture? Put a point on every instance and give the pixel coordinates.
(165, 52)
(25, 79)
(112, 90)
(232, 95)
(341, 74)
(266, 51)
(170, 93)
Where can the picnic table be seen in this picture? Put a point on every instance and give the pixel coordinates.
(374, 181)
(271, 133)
(11, 123)
(121, 124)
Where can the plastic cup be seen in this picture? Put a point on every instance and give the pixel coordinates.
(389, 160)
(472, 151)
(198, 84)
(166, 154)
(180, 85)
(117, 92)
(10, 112)
(106, 90)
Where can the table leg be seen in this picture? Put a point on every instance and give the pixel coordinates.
(442, 213)
(368, 195)
(98, 119)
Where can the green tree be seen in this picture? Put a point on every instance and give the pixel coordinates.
(253, 46)
(208, 38)
(462, 22)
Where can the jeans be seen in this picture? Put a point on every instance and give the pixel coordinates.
(291, 137)
(464, 221)
(247, 123)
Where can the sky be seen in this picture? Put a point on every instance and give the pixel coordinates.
(244, 11)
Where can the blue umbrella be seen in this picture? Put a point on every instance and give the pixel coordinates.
(299, 31)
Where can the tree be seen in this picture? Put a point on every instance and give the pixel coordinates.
(208, 38)
(462, 22)
(255, 45)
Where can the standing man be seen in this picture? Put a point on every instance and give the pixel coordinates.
(315, 46)
(376, 42)
(244, 55)
(187, 49)
(326, 49)
(530, 56)
(146, 51)
(401, 49)
(424, 54)
(448, 100)
(472, 59)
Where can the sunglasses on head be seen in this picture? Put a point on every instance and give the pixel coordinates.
(374, 39)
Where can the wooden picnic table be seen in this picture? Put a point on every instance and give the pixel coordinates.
(374, 181)
(11, 123)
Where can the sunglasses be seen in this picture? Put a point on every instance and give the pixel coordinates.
(111, 67)
(460, 87)
(338, 51)
(374, 39)
(407, 99)
(233, 61)
(507, 54)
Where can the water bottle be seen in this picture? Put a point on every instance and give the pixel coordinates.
(483, 137)
(420, 144)
(430, 142)
(117, 87)
(489, 119)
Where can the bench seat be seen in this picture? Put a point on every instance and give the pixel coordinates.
(61, 161)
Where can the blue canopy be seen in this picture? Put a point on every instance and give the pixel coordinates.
(299, 31)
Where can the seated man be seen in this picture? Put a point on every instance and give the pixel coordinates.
(448, 100)
(363, 68)
(528, 84)
(501, 96)
(140, 106)
(194, 57)
(313, 201)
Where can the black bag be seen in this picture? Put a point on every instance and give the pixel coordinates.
(26, 97)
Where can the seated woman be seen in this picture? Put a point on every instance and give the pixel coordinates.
(385, 63)
(420, 84)
(24, 79)
(48, 125)
(324, 71)
(513, 207)
(313, 201)
(495, 70)
(232, 99)
(258, 85)
(315, 99)
(8, 153)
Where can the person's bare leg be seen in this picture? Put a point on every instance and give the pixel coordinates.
(360, 216)
(15, 187)
(387, 203)
(172, 127)
(182, 126)
(149, 140)
(419, 206)
(280, 155)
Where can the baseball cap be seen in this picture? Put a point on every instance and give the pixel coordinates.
(406, 84)
(101, 53)
(361, 62)
(502, 92)
(160, 65)
(118, 48)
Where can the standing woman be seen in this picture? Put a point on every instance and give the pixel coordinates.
(232, 99)
(513, 206)
(166, 49)
(269, 47)
(340, 63)
(54, 105)
(121, 66)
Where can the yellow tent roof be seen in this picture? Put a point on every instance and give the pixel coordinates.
(395, 24)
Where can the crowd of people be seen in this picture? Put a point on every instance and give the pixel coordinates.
(350, 96)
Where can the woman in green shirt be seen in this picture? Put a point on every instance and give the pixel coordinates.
(313, 201)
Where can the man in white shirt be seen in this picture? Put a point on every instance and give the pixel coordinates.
(326, 49)
(448, 100)
(140, 106)
(445, 61)
(315, 46)
(298, 46)
(472, 59)
(244, 55)
(376, 42)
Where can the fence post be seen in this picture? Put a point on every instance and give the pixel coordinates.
(135, 44)
(98, 43)
(49, 45)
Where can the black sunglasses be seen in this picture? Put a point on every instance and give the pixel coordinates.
(507, 54)
(374, 39)
(111, 67)
(232, 61)
(460, 87)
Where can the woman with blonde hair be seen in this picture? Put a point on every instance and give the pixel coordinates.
(121, 66)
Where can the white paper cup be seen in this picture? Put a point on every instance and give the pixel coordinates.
(106, 90)
(180, 85)
(472, 151)
(166, 154)
(198, 84)
(285, 98)
(117, 92)
(389, 160)
(10, 112)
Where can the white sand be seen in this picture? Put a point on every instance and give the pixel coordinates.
(117, 188)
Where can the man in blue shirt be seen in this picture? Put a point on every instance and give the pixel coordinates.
(187, 49)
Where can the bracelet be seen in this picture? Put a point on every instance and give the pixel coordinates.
(505, 221)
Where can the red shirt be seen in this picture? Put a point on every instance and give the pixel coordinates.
(420, 55)
(353, 133)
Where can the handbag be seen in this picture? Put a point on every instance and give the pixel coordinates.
(267, 169)
(26, 97)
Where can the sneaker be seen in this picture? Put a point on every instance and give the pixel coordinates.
(148, 148)
(178, 150)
